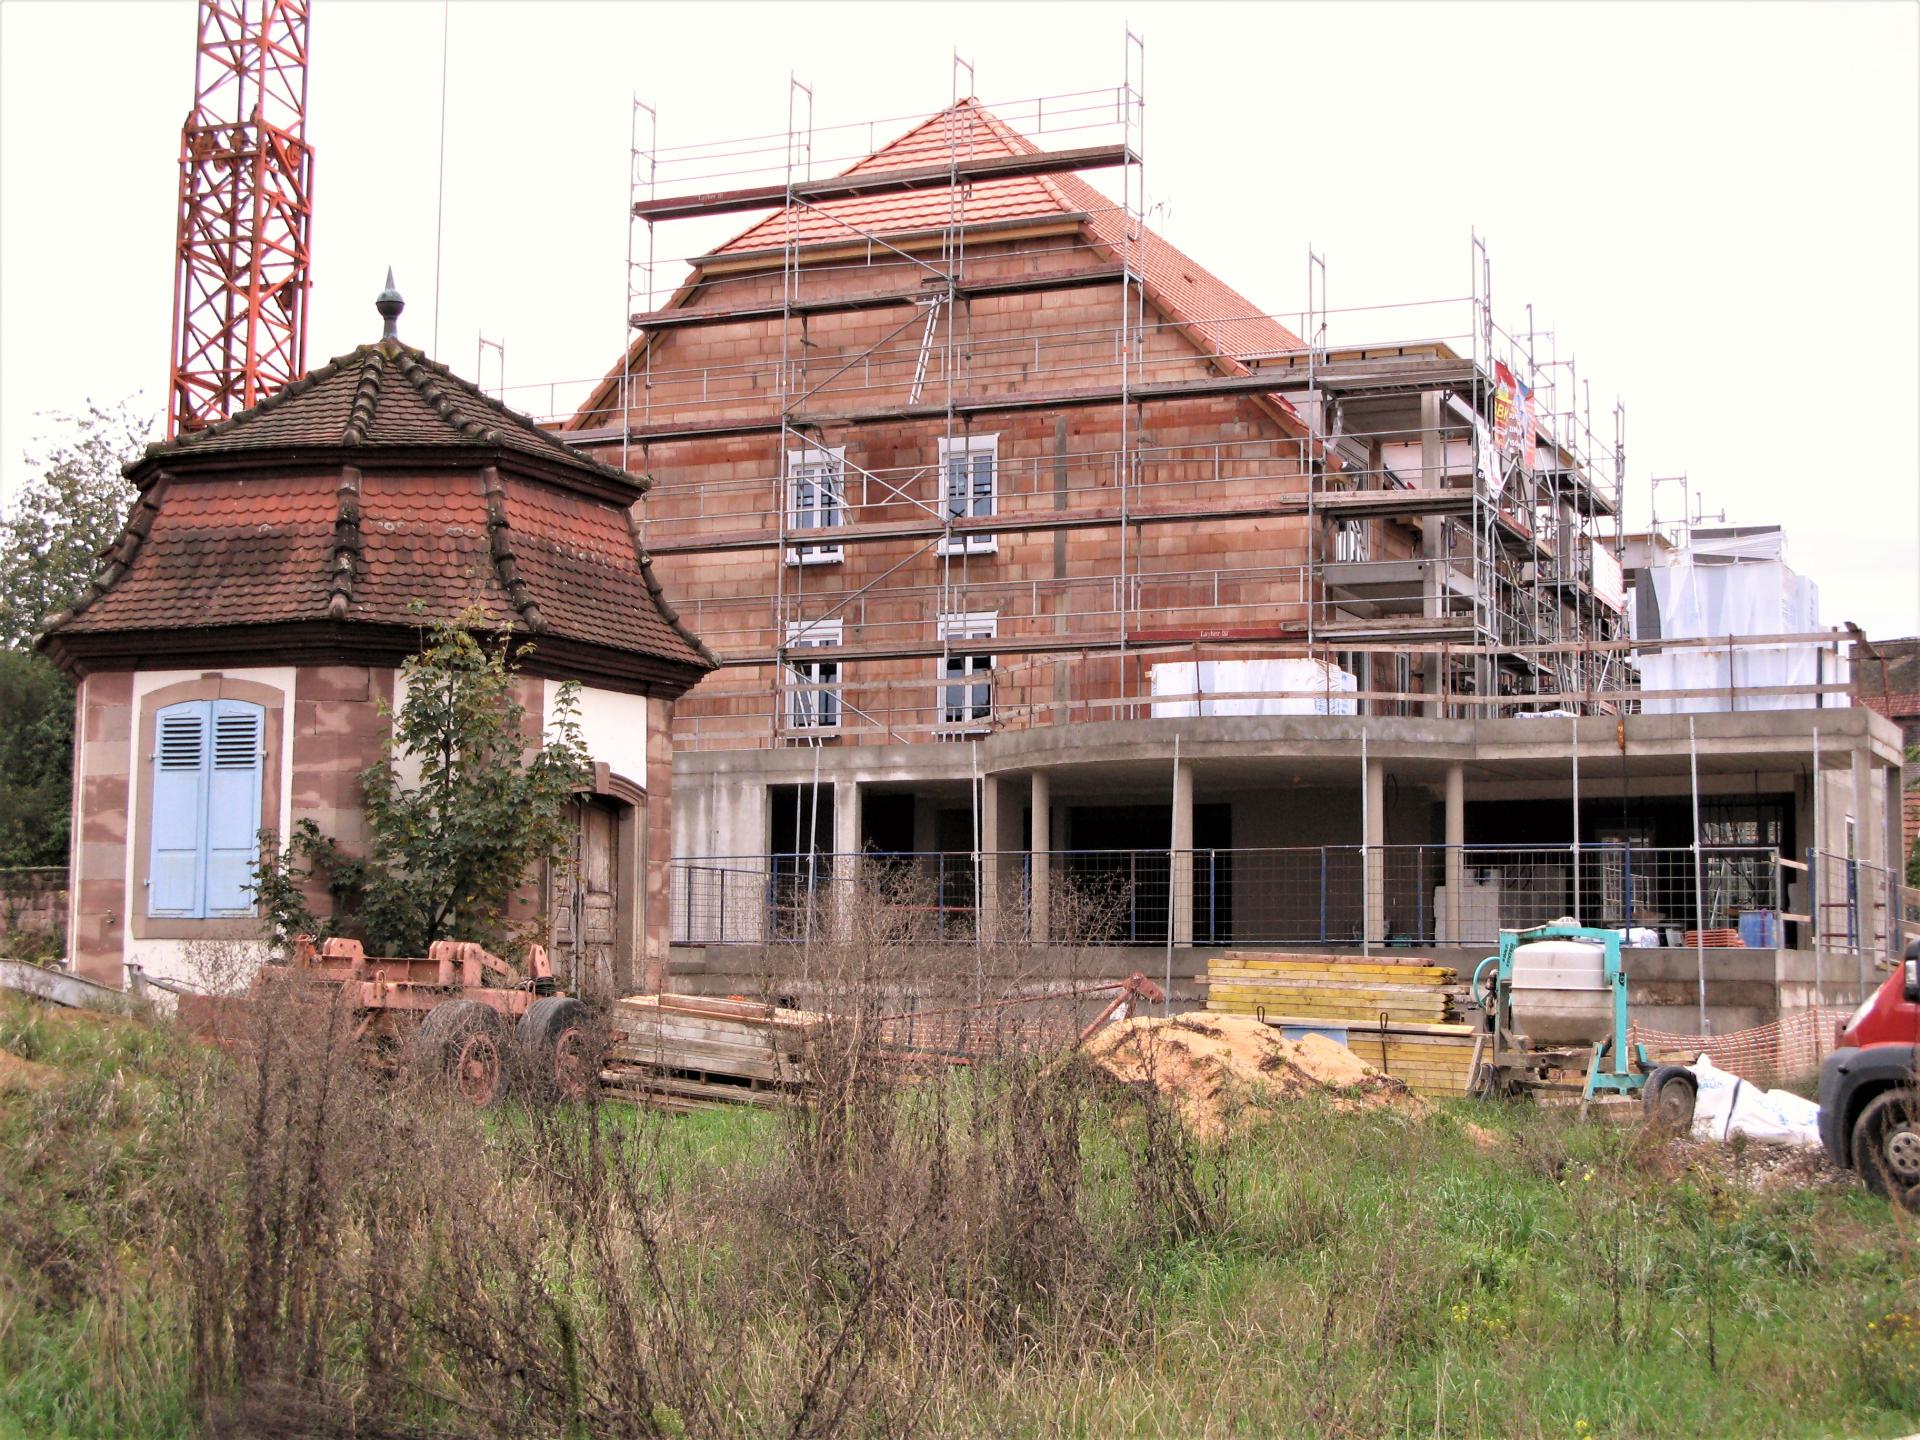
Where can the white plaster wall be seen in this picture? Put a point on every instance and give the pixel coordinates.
(170, 958)
(614, 726)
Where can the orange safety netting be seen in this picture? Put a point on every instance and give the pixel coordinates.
(1789, 1048)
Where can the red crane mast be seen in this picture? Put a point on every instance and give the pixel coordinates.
(244, 247)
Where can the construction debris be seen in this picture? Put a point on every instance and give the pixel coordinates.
(680, 1052)
(1215, 1066)
(1402, 1018)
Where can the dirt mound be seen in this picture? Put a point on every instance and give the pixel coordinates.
(18, 1074)
(1211, 1064)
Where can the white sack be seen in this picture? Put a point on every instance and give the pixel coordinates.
(1726, 1106)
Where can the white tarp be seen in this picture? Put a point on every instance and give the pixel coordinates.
(1726, 1106)
(1185, 689)
(1752, 597)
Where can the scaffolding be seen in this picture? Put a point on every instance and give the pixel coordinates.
(1455, 507)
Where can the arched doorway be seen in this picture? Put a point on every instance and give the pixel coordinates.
(595, 896)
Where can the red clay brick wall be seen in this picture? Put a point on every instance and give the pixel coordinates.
(1215, 452)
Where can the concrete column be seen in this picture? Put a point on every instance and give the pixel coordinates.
(846, 817)
(1180, 890)
(1456, 857)
(1039, 860)
(845, 878)
(993, 800)
(1375, 858)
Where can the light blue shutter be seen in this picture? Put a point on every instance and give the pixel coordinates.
(174, 870)
(233, 807)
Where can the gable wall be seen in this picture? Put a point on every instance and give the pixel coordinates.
(1214, 452)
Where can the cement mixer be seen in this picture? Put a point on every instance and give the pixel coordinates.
(1555, 1001)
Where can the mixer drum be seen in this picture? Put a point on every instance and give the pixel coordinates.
(1560, 992)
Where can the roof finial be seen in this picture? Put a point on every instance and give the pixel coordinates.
(389, 304)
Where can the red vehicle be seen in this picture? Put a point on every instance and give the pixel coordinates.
(1869, 1094)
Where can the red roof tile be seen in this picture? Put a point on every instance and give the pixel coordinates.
(1226, 321)
(236, 526)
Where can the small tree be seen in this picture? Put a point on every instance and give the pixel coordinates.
(36, 760)
(461, 809)
(58, 523)
(52, 532)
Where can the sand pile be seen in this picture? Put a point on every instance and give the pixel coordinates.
(1212, 1065)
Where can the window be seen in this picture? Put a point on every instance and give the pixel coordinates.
(969, 465)
(816, 491)
(207, 767)
(813, 695)
(966, 681)
(1350, 540)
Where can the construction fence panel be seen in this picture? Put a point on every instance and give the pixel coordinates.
(1858, 907)
(1329, 895)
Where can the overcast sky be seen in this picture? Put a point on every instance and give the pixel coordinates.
(1715, 208)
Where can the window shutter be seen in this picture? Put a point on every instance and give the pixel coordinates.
(233, 807)
(174, 871)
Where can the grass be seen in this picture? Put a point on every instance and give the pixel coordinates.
(1469, 1271)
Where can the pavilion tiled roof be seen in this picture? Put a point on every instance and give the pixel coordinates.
(1228, 323)
(386, 394)
(381, 489)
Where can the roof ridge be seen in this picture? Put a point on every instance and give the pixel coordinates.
(660, 601)
(115, 561)
(346, 543)
(500, 545)
(366, 398)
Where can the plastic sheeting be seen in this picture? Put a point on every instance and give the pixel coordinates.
(1185, 689)
(1748, 597)
(1727, 1106)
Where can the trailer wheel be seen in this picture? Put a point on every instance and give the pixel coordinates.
(557, 1048)
(1886, 1147)
(464, 1043)
(1668, 1098)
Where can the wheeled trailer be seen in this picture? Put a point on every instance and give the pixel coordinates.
(460, 1013)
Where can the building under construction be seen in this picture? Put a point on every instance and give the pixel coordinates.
(1036, 552)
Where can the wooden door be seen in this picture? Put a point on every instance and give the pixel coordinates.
(586, 900)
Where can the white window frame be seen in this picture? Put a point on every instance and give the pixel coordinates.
(1351, 542)
(826, 471)
(952, 447)
(972, 681)
(813, 710)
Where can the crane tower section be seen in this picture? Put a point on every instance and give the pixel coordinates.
(243, 249)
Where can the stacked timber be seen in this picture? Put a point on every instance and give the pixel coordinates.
(681, 1052)
(1401, 1018)
(1432, 1059)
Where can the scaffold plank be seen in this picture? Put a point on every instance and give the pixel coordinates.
(1261, 382)
(867, 184)
(877, 300)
